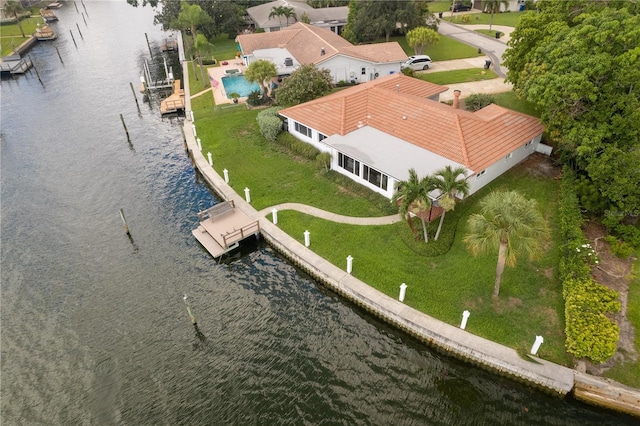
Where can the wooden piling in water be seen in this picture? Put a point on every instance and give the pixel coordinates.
(125, 127)
(74, 3)
(148, 45)
(72, 38)
(134, 95)
(36, 70)
(59, 55)
(85, 7)
(78, 27)
(124, 221)
(85, 21)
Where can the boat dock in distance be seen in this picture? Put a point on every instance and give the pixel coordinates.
(222, 227)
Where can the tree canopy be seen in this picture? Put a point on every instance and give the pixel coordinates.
(369, 20)
(261, 71)
(421, 37)
(412, 196)
(304, 84)
(579, 61)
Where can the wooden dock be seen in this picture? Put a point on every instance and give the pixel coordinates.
(222, 227)
(175, 102)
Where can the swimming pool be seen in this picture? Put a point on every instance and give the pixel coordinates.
(238, 84)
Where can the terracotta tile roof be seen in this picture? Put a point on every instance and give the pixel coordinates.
(476, 140)
(305, 43)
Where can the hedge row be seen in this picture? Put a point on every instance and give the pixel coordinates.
(590, 333)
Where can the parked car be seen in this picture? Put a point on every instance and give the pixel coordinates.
(417, 63)
(460, 7)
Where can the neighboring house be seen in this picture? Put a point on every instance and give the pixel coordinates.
(511, 6)
(377, 131)
(332, 18)
(301, 44)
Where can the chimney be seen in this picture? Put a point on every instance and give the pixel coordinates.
(456, 95)
(322, 51)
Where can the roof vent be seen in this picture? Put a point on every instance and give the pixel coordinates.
(288, 62)
(322, 51)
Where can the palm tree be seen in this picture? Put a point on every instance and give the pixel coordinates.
(510, 222)
(446, 180)
(12, 8)
(413, 196)
(289, 12)
(261, 71)
(493, 6)
(191, 17)
(277, 11)
(202, 47)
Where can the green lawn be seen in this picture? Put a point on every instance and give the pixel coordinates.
(446, 49)
(509, 19)
(512, 101)
(457, 76)
(489, 33)
(10, 36)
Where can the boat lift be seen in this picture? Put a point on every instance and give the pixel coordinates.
(149, 83)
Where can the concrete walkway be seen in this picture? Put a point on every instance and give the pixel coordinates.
(323, 214)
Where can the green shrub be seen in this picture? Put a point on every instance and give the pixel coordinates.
(255, 98)
(477, 101)
(408, 72)
(324, 160)
(298, 147)
(270, 126)
(620, 248)
(590, 333)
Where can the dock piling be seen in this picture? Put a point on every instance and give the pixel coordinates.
(124, 221)
(76, 5)
(125, 127)
(84, 7)
(78, 27)
(73, 38)
(148, 45)
(59, 55)
(134, 95)
(36, 70)
(186, 303)
(85, 21)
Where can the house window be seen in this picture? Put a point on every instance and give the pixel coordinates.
(321, 137)
(349, 164)
(508, 156)
(481, 173)
(374, 177)
(528, 143)
(303, 129)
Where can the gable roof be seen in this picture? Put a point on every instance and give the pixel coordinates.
(399, 106)
(306, 42)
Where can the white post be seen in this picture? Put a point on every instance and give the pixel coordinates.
(274, 216)
(210, 159)
(247, 196)
(536, 345)
(349, 264)
(193, 119)
(465, 317)
(306, 238)
(226, 175)
(193, 126)
(403, 291)
(199, 144)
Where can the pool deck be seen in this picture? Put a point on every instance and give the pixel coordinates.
(216, 74)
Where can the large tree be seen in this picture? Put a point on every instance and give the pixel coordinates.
(492, 7)
(12, 8)
(261, 72)
(304, 84)
(579, 61)
(191, 17)
(202, 47)
(450, 182)
(412, 196)
(509, 223)
(421, 37)
(372, 19)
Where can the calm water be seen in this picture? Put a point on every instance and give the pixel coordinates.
(94, 328)
(238, 84)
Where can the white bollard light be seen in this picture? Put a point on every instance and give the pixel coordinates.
(193, 119)
(349, 264)
(403, 291)
(199, 144)
(193, 126)
(226, 175)
(247, 195)
(274, 216)
(465, 317)
(536, 345)
(306, 238)
(210, 159)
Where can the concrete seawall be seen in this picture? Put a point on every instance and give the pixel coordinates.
(451, 340)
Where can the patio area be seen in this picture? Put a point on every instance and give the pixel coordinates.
(228, 67)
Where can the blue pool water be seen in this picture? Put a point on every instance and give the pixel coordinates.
(238, 84)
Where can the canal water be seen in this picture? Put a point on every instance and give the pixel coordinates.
(94, 327)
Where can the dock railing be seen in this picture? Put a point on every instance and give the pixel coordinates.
(240, 234)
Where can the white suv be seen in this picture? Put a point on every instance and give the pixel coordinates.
(417, 63)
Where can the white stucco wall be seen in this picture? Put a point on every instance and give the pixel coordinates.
(345, 68)
(476, 182)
